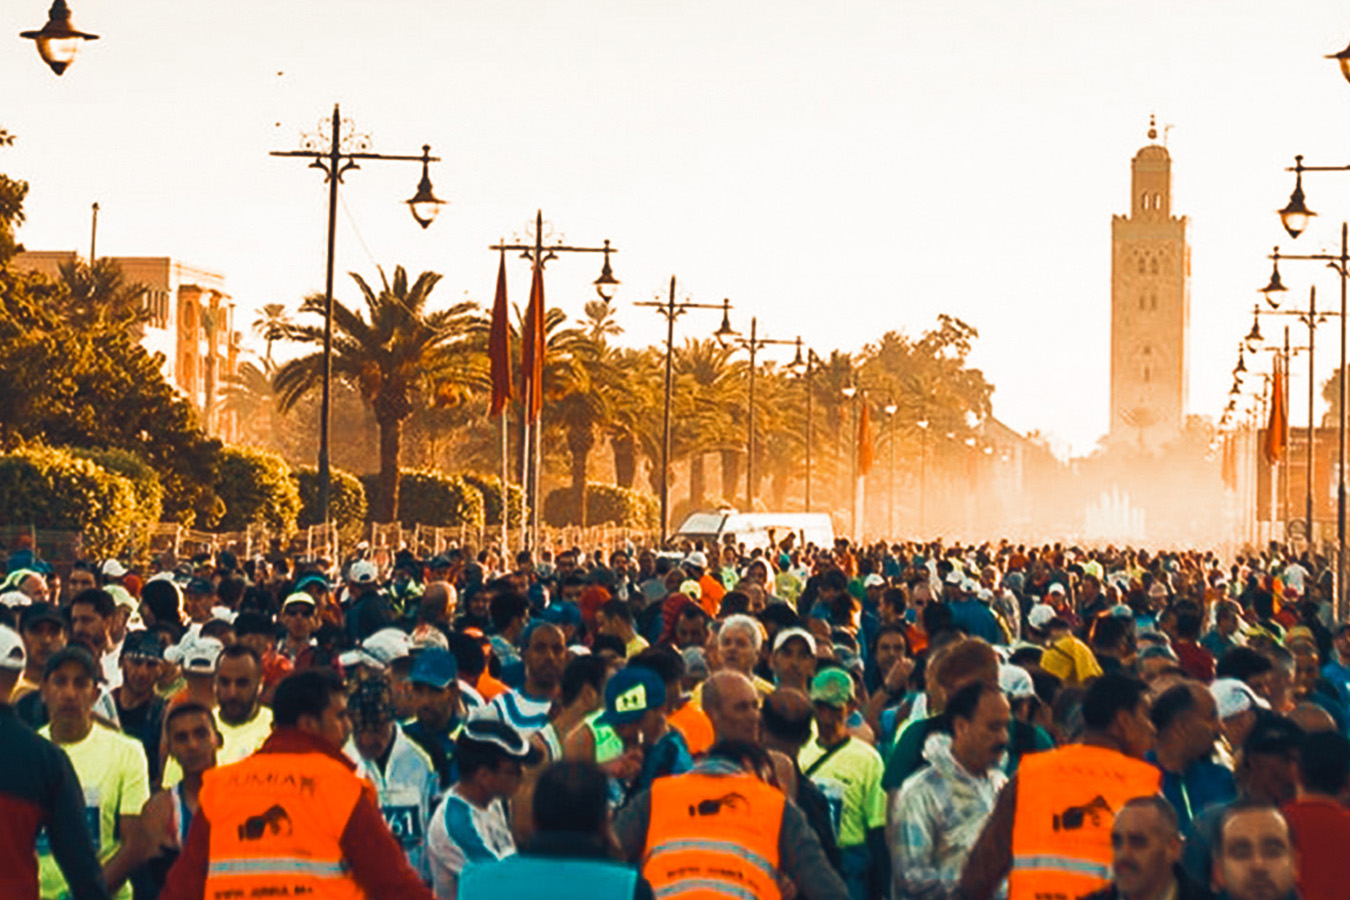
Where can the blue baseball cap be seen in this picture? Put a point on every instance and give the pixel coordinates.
(305, 581)
(434, 667)
(629, 693)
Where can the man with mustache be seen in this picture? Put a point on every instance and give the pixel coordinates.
(1146, 855)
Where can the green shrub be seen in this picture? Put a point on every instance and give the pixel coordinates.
(133, 467)
(490, 486)
(257, 489)
(428, 497)
(605, 504)
(49, 488)
(346, 498)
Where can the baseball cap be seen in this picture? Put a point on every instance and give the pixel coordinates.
(833, 687)
(1233, 696)
(434, 667)
(788, 634)
(697, 559)
(72, 653)
(299, 598)
(1055, 588)
(954, 577)
(1040, 615)
(380, 649)
(113, 569)
(630, 693)
(142, 645)
(12, 655)
(873, 580)
(195, 654)
(312, 578)
(38, 613)
(200, 586)
(492, 733)
(1015, 682)
(121, 596)
(363, 571)
(691, 589)
(15, 599)
(1273, 734)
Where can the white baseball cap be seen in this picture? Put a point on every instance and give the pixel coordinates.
(113, 569)
(15, 599)
(1015, 681)
(697, 559)
(197, 655)
(873, 580)
(363, 571)
(1055, 588)
(380, 649)
(12, 655)
(788, 634)
(1233, 696)
(1040, 615)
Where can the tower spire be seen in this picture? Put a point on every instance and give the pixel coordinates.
(1152, 127)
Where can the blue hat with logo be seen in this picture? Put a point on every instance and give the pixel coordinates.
(629, 693)
(434, 667)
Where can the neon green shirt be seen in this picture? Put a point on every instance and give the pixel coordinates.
(851, 780)
(116, 781)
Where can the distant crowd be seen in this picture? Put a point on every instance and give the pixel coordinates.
(915, 721)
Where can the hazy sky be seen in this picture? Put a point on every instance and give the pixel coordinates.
(838, 169)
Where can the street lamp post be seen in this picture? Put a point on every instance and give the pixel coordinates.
(1340, 263)
(1311, 318)
(810, 361)
(891, 409)
(753, 343)
(339, 156)
(672, 311)
(605, 286)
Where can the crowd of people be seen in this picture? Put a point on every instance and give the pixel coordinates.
(914, 721)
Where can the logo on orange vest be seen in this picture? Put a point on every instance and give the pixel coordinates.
(1073, 818)
(255, 827)
(713, 805)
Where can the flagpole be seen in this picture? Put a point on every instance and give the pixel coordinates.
(506, 494)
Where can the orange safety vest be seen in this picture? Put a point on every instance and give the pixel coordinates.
(712, 837)
(694, 724)
(1066, 802)
(276, 827)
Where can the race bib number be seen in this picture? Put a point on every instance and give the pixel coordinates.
(406, 824)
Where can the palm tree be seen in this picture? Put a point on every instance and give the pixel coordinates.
(390, 359)
(269, 324)
(99, 295)
(248, 396)
(708, 405)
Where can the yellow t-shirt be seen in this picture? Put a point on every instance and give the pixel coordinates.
(116, 781)
(240, 741)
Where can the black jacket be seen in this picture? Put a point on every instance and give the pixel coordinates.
(1187, 889)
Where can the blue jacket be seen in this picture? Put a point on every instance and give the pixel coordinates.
(526, 876)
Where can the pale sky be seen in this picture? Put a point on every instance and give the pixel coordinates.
(837, 169)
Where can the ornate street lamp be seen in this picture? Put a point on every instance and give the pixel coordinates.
(58, 41)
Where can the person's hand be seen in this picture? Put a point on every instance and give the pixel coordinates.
(898, 677)
(625, 767)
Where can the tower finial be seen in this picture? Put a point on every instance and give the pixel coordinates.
(1152, 127)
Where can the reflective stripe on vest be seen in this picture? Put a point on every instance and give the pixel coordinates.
(677, 846)
(1064, 864)
(1067, 800)
(278, 866)
(698, 886)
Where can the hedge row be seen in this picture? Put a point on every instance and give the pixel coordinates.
(105, 494)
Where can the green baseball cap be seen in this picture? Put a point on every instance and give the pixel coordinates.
(833, 687)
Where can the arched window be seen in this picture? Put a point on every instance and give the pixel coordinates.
(1157, 201)
(1144, 200)
(1148, 374)
(1154, 265)
(1153, 301)
(1142, 264)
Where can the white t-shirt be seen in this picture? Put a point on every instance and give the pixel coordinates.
(407, 790)
(462, 834)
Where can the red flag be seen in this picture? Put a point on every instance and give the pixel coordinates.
(499, 346)
(1277, 430)
(532, 349)
(864, 439)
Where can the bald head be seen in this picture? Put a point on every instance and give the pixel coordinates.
(787, 720)
(730, 701)
(438, 602)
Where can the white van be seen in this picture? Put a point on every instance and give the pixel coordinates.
(716, 527)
